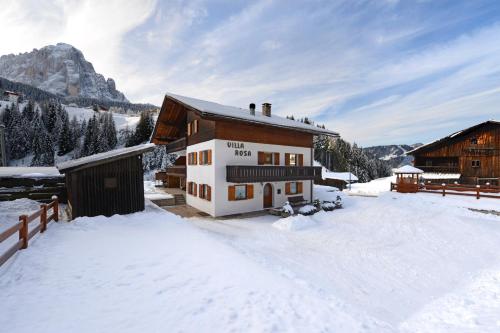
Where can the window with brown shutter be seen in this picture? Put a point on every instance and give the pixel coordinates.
(250, 191)
(299, 187)
(200, 191)
(195, 158)
(209, 161)
(195, 126)
(293, 188)
(276, 158)
(287, 159)
(195, 189)
(301, 159)
(287, 188)
(260, 158)
(231, 193)
(206, 157)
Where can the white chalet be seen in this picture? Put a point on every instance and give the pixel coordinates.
(235, 160)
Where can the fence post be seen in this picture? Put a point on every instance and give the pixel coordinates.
(23, 232)
(444, 189)
(43, 218)
(56, 207)
(477, 191)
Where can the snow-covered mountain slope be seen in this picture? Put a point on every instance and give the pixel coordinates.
(60, 69)
(394, 154)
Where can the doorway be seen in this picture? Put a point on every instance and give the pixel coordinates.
(268, 195)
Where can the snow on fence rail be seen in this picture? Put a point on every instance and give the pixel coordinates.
(23, 228)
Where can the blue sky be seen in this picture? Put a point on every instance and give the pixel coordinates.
(379, 72)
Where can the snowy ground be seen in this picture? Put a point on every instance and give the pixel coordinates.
(392, 263)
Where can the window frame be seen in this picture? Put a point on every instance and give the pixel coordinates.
(236, 192)
(476, 163)
(473, 141)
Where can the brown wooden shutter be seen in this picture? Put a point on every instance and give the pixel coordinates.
(250, 191)
(299, 187)
(195, 189)
(287, 159)
(276, 158)
(195, 158)
(301, 159)
(261, 158)
(209, 193)
(231, 193)
(209, 156)
(287, 188)
(200, 191)
(195, 123)
(189, 129)
(189, 187)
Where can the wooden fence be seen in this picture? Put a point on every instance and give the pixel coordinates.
(478, 191)
(22, 227)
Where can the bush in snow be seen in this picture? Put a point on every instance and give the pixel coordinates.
(328, 206)
(307, 210)
(286, 210)
(338, 202)
(317, 203)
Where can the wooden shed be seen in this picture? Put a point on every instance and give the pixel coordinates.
(107, 183)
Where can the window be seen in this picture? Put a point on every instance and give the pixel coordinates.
(293, 188)
(473, 141)
(294, 159)
(240, 192)
(267, 158)
(476, 164)
(192, 188)
(206, 157)
(205, 192)
(192, 158)
(192, 127)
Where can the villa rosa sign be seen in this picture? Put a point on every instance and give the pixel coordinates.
(239, 149)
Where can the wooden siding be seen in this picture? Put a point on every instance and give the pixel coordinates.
(458, 153)
(206, 129)
(240, 131)
(88, 195)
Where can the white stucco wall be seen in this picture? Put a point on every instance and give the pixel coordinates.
(215, 176)
(201, 174)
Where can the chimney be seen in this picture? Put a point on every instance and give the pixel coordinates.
(266, 109)
(252, 109)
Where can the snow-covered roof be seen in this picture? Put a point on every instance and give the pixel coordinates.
(408, 169)
(437, 175)
(453, 135)
(101, 158)
(226, 111)
(327, 174)
(8, 92)
(29, 172)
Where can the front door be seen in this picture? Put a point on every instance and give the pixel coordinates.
(268, 196)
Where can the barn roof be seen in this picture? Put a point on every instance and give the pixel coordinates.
(172, 117)
(102, 158)
(453, 135)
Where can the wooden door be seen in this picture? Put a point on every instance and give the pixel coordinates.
(268, 196)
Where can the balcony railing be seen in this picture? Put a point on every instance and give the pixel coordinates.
(176, 145)
(439, 168)
(254, 173)
(176, 170)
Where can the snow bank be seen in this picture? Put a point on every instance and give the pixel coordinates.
(294, 223)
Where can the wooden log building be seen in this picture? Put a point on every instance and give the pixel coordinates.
(473, 154)
(107, 183)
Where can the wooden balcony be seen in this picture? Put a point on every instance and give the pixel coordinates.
(257, 173)
(439, 168)
(177, 145)
(176, 170)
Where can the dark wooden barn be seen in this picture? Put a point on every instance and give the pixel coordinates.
(473, 154)
(106, 184)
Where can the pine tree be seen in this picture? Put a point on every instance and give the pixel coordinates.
(29, 111)
(143, 130)
(17, 137)
(42, 147)
(65, 142)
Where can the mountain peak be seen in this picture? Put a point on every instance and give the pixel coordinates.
(62, 70)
